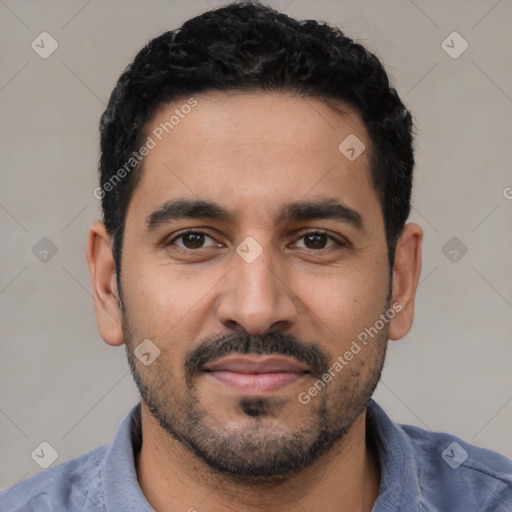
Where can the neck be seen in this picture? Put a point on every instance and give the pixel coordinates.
(172, 478)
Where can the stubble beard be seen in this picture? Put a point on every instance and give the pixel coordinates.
(266, 450)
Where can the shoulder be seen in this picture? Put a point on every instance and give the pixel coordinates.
(72, 485)
(459, 472)
(430, 471)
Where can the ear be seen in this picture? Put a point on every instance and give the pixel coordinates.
(104, 286)
(406, 274)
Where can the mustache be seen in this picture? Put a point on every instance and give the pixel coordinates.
(209, 350)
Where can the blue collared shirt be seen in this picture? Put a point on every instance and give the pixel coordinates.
(420, 471)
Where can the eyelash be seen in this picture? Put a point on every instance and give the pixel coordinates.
(336, 241)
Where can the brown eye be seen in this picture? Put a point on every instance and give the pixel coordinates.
(193, 240)
(315, 241)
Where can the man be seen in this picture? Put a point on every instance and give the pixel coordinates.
(254, 258)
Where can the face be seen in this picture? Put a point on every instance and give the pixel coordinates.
(254, 258)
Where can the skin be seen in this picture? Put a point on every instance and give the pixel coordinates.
(236, 150)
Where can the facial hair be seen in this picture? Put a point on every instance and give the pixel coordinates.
(261, 452)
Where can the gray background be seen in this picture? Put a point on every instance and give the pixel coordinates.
(61, 384)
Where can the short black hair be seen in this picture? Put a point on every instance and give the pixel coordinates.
(250, 47)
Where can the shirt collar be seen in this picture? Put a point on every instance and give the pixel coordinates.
(399, 486)
(120, 485)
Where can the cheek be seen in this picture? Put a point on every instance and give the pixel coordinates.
(163, 298)
(344, 302)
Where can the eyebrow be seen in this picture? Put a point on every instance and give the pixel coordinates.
(187, 209)
(329, 208)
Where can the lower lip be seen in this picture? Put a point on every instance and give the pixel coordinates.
(257, 381)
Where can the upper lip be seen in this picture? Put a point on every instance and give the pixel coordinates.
(255, 364)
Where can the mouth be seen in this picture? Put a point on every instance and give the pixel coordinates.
(256, 374)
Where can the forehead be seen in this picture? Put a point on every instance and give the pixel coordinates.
(254, 151)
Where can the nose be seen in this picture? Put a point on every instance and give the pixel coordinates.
(256, 297)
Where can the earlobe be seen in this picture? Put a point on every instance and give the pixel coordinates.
(406, 274)
(102, 270)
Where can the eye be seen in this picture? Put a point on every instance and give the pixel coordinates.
(191, 240)
(317, 240)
